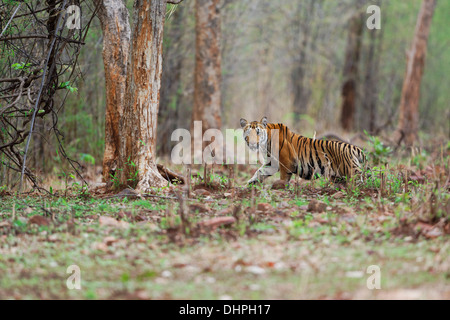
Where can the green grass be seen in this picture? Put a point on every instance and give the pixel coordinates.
(285, 252)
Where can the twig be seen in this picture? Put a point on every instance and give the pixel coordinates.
(12, 17)
(38, 36)
(184, 220)
(188, 185)
(175, 1)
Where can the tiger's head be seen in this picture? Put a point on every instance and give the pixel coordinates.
(255, 133)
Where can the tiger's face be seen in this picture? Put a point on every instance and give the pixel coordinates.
(255, 133)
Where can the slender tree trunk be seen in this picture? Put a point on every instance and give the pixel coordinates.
(171, 81)
(137, 159)
(349, 88)
(368, 114)
(116, 29)
(207, 96)
(408, 124)
(298, 73)
(369, 102)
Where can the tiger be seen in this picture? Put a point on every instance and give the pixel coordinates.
(299, 155)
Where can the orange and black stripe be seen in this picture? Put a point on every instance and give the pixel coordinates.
(307, 157)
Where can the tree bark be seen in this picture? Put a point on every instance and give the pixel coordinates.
(303, 29)
(207, 95)
(116, 29)
(137, 159)
(408, 124)
(368, 115)
(171, 85)
(349, 88)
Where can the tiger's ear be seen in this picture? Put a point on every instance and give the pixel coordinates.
(264, 121)
(243, 122)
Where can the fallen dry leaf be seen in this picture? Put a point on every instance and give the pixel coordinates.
(100, 246)
(109, 240)
(264, 207)
(5, 224)
(316, 206)
(223, 202)
(423, 226)
(199, 207)
(39, 220)
(225, 211)
(216, 222)
(433, 233)
(255, 270)
(108, 221)
(202, 192)
(53, 238)
(338, 195)
(279, 185)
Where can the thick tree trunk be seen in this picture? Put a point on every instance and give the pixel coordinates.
(116, 29)
(349, 88)
(409, 104)
(207, 99)
(137, 160)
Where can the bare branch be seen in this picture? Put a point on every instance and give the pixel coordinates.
(36, 52)
(12, 17)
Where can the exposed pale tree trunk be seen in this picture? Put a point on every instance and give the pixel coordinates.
(408, 124)
(137, 159)
(207, 96)
(349, 88)
(116, 29)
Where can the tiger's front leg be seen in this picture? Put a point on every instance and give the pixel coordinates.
(262, 173)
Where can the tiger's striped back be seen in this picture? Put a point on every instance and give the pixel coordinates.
(306, 156)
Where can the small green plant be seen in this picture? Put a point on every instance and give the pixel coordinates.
(301, 202)
(87, 158)
(134, 172)
(372, 179)
(223, 180)
(78, 188)
(380, 152)
(20, 66)
(115, 179)
(66, 85)
(323, 181)
(326, 200)
(419, 159)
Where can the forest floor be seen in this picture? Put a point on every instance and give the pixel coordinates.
(312, 240)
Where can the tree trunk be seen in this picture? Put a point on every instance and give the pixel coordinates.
(368, 114)
(171, 85)
(137, 159)
(207, 100)
(409, 104)
(303, 28)
(349, 88)
(116, 29)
